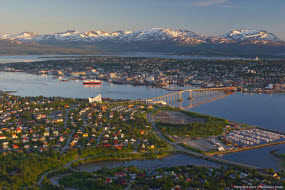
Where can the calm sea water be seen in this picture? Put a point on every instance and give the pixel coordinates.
(34, 85)
(32, 58)
(262, 110)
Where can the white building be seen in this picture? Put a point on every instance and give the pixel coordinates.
(95, 99)
(270, 86)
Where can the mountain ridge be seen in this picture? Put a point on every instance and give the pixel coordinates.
(244, 42)
(248, 36)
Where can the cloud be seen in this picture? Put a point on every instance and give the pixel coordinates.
(207, 3)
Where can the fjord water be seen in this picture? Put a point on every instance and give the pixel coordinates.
(29, 58)
(33, 58)
(262, 110)
(34, 85)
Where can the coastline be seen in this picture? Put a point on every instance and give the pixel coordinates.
(273, 152)
(91, 160)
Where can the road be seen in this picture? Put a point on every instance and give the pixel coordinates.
(66, 165)
(67, 142)
(65, 125)
(99, 138)
(157, 132)
(138, 143)
(44, 175)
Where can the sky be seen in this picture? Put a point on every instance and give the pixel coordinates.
(207, 17)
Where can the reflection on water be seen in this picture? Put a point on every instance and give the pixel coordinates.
(92, 86)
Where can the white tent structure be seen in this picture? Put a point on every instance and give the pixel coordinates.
(96, 99)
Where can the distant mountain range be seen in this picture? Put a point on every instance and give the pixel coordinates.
(245, 42)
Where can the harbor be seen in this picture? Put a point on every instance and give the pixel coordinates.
(251, 137)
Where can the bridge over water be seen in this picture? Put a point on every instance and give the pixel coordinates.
(191, 97)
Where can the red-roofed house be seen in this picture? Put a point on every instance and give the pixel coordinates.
(120, 174)
(108, 180)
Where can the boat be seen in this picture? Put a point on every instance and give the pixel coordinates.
(86, 82)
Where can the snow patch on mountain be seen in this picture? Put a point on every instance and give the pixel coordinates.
(161, 34)
(21, 36)
(250, 34)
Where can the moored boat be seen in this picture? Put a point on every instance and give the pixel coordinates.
(87, 82)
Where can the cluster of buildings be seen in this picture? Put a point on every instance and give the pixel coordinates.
(186, 177)
(247, 74)
(31, 124)
(111, 126)
(38, 124)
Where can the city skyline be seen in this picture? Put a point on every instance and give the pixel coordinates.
(207, 17)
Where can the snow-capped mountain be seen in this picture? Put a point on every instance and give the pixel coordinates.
(9, 42)
(182, 37)
(250, 34)
(160, 34)
(21, 36)
(69, 35)
(121, 32)
(247, 43)
(153, 34)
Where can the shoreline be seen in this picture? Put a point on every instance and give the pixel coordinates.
(273, 152)
(10, 91)
(118, 159)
